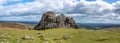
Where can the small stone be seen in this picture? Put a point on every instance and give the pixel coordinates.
(27, 37)
(2, 42)
(31, 37)
(7, 42)
(3, 36)
(45, 39)
(66, 37)
(8, 36)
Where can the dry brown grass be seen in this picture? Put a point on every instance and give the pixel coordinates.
(112, 29)
(7, 25)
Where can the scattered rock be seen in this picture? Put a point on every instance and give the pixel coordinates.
(1, 42)
(4, 42)
(66, 37)
(8, 36)
(27, 37)
(44, 38)
(7, 42)
(5, 35)
(46, 41)
(50, 20)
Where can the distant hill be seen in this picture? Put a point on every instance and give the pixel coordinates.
(98, 25)
(24, 22)
(112, 29)
(4, 25)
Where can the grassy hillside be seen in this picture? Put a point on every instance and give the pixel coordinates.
(56, 36)
(6, 25)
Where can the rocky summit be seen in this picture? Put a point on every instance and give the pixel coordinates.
(50, 20)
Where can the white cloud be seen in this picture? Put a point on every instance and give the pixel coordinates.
(82, 0)
(15, 0)
(99, 0)
(3, 1)
(81, 10)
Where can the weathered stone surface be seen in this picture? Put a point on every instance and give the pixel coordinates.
(66, 37)
(50, 20)
(27, 37)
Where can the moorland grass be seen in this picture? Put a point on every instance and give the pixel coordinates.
(56, 36)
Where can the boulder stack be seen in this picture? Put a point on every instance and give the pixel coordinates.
(50, 20)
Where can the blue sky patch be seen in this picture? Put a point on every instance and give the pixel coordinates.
(110, 1)
(15, 2)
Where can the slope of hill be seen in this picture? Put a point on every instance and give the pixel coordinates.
(60, 35)
(6, 25)
(111, 29)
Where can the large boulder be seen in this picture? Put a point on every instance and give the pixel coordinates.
(50, 20)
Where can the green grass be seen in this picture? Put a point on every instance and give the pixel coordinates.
(76, 36)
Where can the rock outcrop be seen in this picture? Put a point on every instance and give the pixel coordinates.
(50, 20)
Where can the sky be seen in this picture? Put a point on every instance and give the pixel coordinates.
(83, 11)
